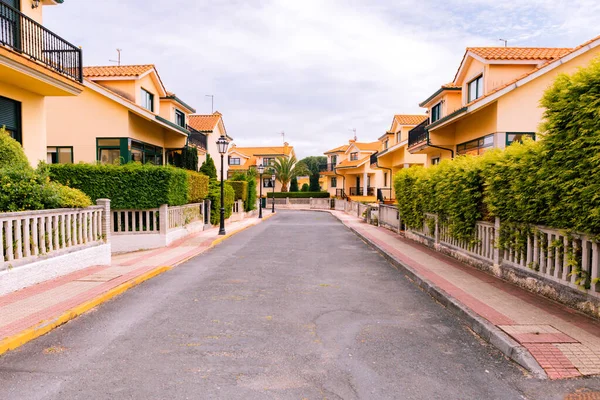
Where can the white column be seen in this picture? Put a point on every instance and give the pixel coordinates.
(365, 175)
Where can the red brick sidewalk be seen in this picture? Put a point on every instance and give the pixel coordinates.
(564, 342)
(33, 311)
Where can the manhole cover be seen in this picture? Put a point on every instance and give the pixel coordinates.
(583, 395)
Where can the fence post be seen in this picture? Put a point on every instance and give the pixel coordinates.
(497, 256)
(207, 209)
(287, 201)
(310, 202)
(163, 219)
(436, 233)
(106, 218)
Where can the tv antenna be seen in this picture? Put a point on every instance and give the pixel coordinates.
(118, 60)
(212, 102)
(354, 131)
(282, 137)
(505, 42)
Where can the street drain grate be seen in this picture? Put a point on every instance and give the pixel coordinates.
(583, 395)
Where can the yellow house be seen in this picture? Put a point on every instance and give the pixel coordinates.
(494, 99)
(241, 159)
(211, 127)
(306, 180)
(393, 154)
(349, 171)
(35, 65)
(124, 114)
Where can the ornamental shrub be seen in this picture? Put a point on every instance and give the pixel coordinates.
(305, 187)
(197, 186)
(129, 186)
(208, 167)
(240, 188)
(214, 194)
(294, 185)
(299, 195)
(11, 152)
(250, 203)
(314, 185)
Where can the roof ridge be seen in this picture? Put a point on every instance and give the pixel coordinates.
(119, 66)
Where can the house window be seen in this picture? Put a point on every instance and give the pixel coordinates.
(475, 88)
(124, 150)
(267, 183)
(333, 160)
(10, 118)
(109, 150)
(59, 155)
(147, 100)
(435, 161)
(180, 118)
(512, 137)
(385, 175)
(353, 156)
(333, 182)
(477, 146)
(399, 137)
(234, 161)
(386, 144)
(268, 161)
(436, 112)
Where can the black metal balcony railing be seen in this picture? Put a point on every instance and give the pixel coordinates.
(418, 134)
(327, 167)
(340, 193)
(26, 36)
(197, 139)
(374, 158)
(354, 191)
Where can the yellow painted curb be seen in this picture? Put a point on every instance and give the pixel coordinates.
(44, 327)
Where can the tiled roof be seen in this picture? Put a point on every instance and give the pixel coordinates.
(338, 149)
(115, 71)
(373, 146)
(519, 53)
(204, 123)
(451, 85)
(354, 163)
(406, 119)
(254, 152)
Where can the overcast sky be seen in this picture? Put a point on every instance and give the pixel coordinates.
(312, 68)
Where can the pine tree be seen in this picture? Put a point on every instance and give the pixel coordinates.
(208, 167)
(294, 185)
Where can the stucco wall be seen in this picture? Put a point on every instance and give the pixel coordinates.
(33, 121)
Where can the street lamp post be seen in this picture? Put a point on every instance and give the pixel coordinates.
(273, 180)
(222, 144)
(261, 171)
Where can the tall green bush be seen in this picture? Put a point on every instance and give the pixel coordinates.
(240, 188)
(130, 186)
(314, 185)
(250, 203)
(214, 194)
(294, 185)
(208, 167)
(197, 186)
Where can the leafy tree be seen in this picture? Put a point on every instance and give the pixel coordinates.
(314, 163)
(286, 169)
(208, 167)
(305, 187)
(294, 185)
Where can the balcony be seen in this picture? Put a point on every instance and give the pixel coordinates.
(327, 167)
(418, 136)
(32, 40)
(374, 158)
(197, 139)
(354, 191)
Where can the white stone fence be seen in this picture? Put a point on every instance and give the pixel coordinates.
(288, 203)
(40, 245)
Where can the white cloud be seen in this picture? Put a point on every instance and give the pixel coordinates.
(313, 68)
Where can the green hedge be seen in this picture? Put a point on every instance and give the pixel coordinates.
(197, 186)
(11, 152)
(214, 194)
(250, 203)
(240, 188)
(130, 186)
(298, 195)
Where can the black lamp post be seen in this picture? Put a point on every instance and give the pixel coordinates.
(222, 144)
(261, 171)
(273, 180)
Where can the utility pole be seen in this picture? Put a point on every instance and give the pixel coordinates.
(505, 42)
(212, 102)
(118, 60)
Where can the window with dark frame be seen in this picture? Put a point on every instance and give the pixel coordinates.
(512, 137)
(333, 182)
(10, 118)
(59, 155)
(234, 161)
(147, 100)
(180, 118)
(268, 161)
(435, 161)
(475, 88)
(385, 175)
(353, 156)
(476, 146)
(267, 183)
(436, 112)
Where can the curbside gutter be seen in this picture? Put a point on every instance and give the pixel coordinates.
(43, 327)
(485, 329)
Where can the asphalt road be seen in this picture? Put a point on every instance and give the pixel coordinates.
(295, 308)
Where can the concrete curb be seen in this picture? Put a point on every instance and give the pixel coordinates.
(43, 327)
(485, 329)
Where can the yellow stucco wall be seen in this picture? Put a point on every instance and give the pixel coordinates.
(500, 74)
(33, 121)
(476, 125)
(124, 88)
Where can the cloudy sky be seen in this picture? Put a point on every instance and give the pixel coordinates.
(314, 69)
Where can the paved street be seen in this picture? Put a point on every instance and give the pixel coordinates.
(296, 307)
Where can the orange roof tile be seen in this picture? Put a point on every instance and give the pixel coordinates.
(254, 152)
(354, 163)
(342, 149)
(519, 53)
(116, 70)
(407, 119)
(372, 146)
(204, 123)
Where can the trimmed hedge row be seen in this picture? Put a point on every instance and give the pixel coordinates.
(298, 195)
(214, 194)
(240, 188)
(197, 186)
(130, 186)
